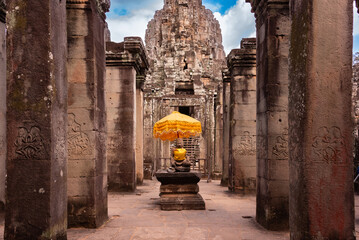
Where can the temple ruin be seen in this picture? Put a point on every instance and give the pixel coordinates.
(186, 56)
(77, 113)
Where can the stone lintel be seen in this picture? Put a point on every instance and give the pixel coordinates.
(131, 52)
(249, 43)
(241, 58)
(102, 6)
(258, 6)
(140, 81)
(226, 75)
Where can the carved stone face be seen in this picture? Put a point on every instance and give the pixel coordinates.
(105, 4)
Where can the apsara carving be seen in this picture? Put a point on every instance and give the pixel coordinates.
(280, 149)
(78, 141)
(247, 145)
(328, 145)
(29, 144)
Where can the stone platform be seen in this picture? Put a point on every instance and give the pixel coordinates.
(179, 191)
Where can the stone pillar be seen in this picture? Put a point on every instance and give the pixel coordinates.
(226, 126)
(242, 136)
(87, 179)
(320, 121)
(36, 192)
(124, 62)
(148, 141)
(273, 28)
(218, 137)
(2, 104)
(139, 128)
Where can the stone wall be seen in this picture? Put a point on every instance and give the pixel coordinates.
(184, 45)
(126, 62)
(242, 136)
(36, 192)
(2, 104)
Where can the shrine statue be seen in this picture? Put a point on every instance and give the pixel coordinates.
(179, 160)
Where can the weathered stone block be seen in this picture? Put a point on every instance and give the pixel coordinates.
(77, 98)
(78, 49)
(81, 168)
(77, 70)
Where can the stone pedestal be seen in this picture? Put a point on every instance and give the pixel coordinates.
(179, 191)
(36, 190)
(87, 183)
(273, 29)
(242, 142)
(320, 121)
(124, 62)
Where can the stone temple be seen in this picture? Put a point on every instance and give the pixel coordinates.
(77, 112)
(186, 57)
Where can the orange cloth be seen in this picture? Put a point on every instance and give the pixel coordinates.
(176, 125)
(179, 154)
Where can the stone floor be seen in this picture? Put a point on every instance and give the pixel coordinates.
(138, 216)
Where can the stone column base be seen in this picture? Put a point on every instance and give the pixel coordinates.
(179, 191)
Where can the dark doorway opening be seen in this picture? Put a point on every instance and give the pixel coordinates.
(188, 110)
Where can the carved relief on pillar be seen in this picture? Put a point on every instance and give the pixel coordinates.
(78, 141)
(2, 144)
(29, 143)
(116, 142)
(246, 146)
(328, 146)
(280, 149)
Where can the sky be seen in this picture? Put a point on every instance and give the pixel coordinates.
(130, 18)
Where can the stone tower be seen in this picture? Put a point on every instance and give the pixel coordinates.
(184, 44)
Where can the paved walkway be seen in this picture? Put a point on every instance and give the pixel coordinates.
(137, 216)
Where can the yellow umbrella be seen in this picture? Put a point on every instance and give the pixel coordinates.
(176, 125)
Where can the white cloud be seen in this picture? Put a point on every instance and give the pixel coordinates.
(213, 7)
(356, 20)
(134, 23)
(237, 23)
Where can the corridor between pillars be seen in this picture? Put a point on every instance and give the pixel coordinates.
(320, 121)
(125, 63)
(273, 28)
(87, 178)
(242, 143)
(36, 194)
